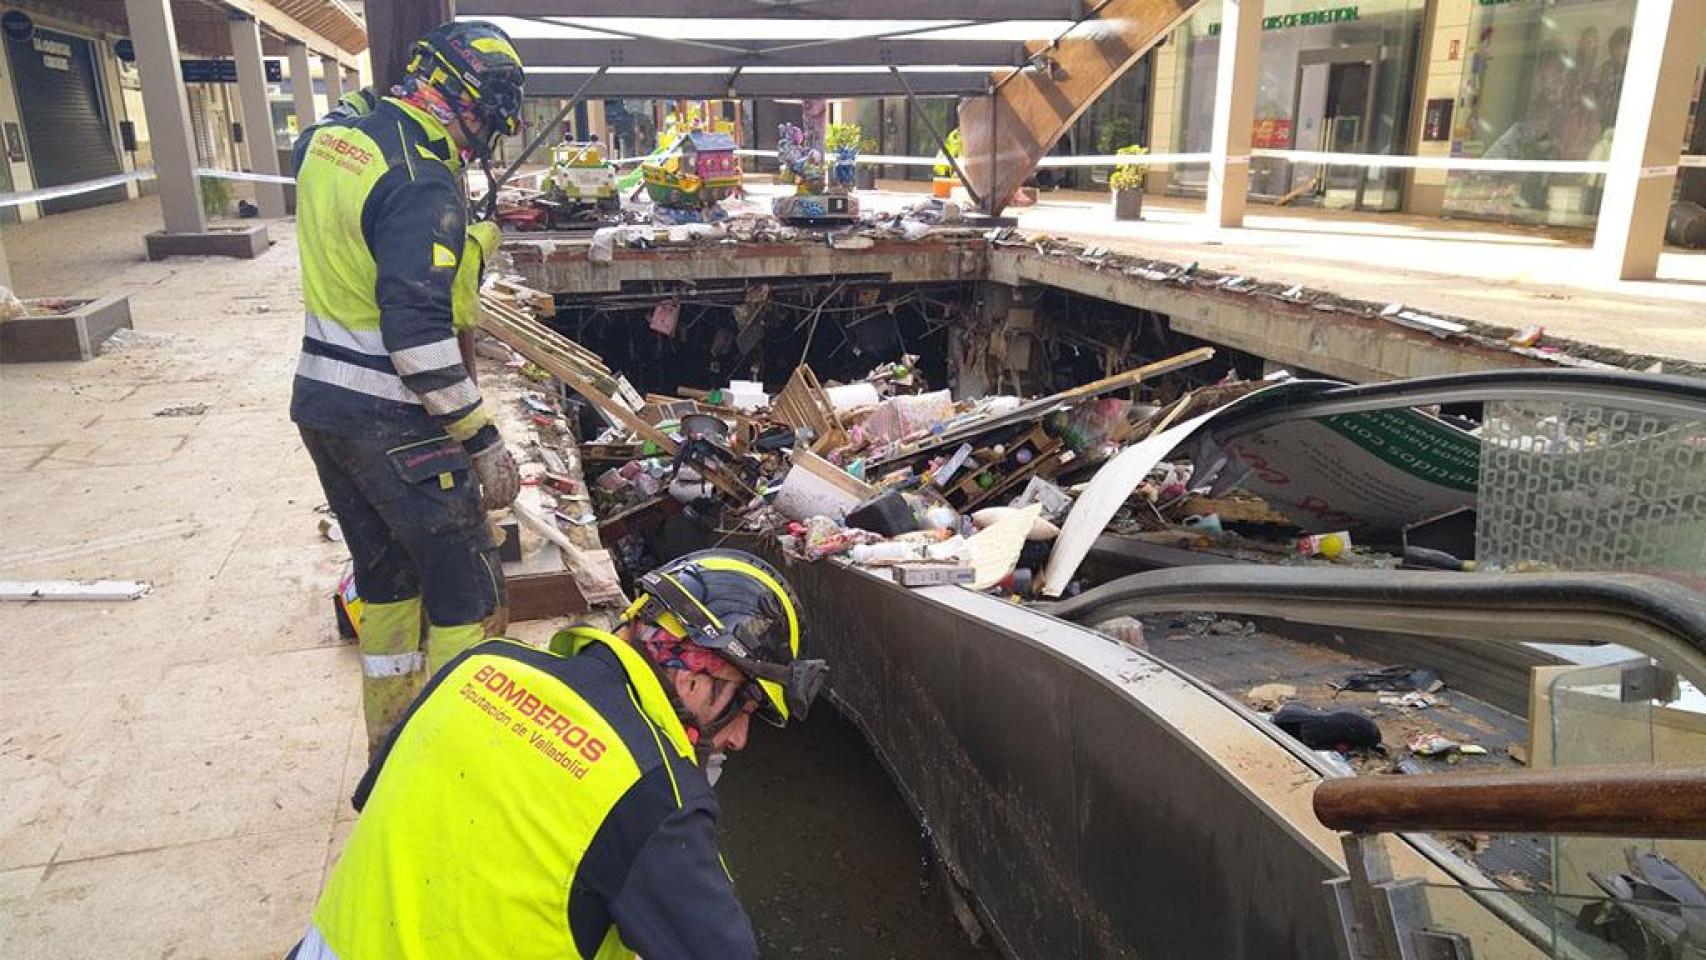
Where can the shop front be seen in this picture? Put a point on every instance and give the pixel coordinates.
(1333, 79)
(1541, 81)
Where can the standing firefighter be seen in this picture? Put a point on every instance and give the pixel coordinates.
(539, 804)
(386, 407)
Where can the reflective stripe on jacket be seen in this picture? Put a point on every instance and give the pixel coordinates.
(534, 806)
(381, 231)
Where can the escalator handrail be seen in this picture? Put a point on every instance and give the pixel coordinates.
(1658, 802)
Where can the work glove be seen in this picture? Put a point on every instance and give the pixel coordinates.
(500, 478)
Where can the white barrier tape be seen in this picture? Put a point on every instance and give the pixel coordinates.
(72, 189)
(120, 179)
(1480, 164)
(1376, 161)
(241, 176)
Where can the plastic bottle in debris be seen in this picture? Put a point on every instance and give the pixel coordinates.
(886, 553)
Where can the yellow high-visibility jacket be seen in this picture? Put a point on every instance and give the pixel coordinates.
(534, 806)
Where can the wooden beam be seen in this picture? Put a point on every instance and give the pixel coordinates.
(1006, 134)
(393, 26)
(345, 45)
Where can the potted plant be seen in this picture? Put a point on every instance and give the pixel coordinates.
(843, 140)
(943, 185)
(216, 197)
(1125, 184)
(865, 177)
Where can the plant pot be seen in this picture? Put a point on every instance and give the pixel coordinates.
(942, 187)
(1128, 204)
(866, 177)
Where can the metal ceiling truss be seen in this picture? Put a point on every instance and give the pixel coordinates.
(730, 54)
(976, 11)
(749, 85)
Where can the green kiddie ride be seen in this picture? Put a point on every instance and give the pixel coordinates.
(580, 187)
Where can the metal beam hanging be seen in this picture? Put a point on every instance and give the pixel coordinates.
(549, 130)
(1037, 104)
(980, 11)
(650, 52)
(936, 135)
(753, 85)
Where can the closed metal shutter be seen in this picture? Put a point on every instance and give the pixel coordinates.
(65, 120)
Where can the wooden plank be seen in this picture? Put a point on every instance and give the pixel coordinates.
(545, 347)
(544, 596)
(99, 591)
(1034, 409)
(803, 403)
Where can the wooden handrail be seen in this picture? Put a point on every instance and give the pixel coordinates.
(1607, 801)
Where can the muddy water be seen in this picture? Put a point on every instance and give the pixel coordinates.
(825, 853)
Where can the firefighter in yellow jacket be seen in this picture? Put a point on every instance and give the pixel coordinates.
(539, 804)
(408, 457)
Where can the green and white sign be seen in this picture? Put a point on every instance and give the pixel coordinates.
(1306, 18)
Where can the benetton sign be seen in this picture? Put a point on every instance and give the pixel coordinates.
(1308, 18)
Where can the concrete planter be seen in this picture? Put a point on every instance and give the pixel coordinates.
(73, 333)
(1128, 204)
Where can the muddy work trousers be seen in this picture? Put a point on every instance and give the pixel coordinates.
(411, 516)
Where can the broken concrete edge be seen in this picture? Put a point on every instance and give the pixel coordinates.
(244, 242)
(1489, 343)
(1568, 352)
(76, 334)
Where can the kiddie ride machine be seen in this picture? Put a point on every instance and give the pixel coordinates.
(580, 188)
(822, 192)
(692, 175)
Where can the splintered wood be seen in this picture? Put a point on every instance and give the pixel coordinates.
(579, 368)
(804, 404)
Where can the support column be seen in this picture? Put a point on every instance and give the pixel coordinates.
(332, 75)
(301, 85)
(1234, 111)
(1439, 76)
(352, 81)
(1664, 49)
(393, 26)
(168, 113)
(257, 115)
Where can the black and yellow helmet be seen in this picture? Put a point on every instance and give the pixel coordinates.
(735, 604)
(474, 65)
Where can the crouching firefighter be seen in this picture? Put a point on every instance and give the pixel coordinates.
(408, 457)
(539, 804)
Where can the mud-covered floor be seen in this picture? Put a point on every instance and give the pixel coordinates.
(825, 853)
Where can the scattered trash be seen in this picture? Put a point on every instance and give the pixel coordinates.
(1270, 696)
(1127, 630)
(1329, 545)
(1394, 679)
(1435, 745)
(183, 410)
(1414, 700)
(1327, 729)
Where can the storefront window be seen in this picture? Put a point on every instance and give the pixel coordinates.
(1542, 82)
(1332, 78)
(1118, 118)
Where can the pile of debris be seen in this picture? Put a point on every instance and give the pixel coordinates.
(886, 473)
